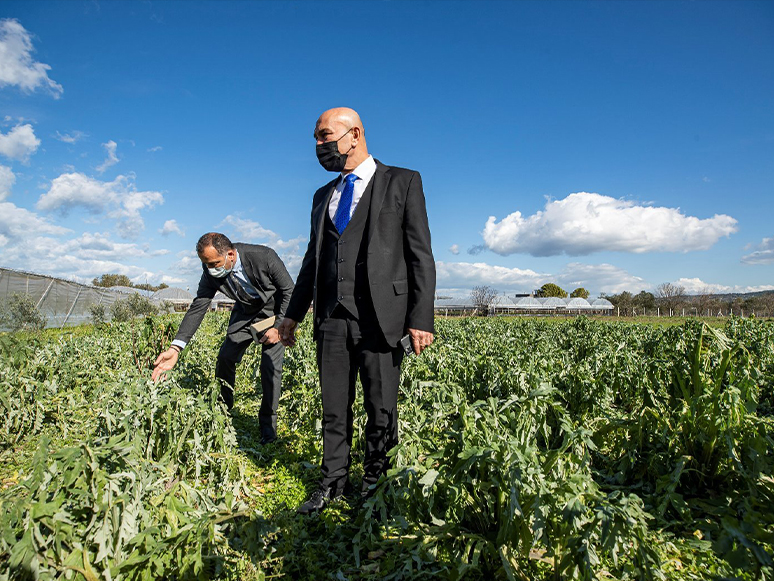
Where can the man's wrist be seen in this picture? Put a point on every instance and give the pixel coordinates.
(176, 348)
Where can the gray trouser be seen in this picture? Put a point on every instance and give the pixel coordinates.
(272, 356)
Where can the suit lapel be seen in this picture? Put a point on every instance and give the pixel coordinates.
(320, 217)
(381, 181)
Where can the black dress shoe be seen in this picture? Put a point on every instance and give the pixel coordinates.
(317, 500)
(268, 435)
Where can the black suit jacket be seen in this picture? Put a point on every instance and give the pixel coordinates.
(400, 264)
(264, 269)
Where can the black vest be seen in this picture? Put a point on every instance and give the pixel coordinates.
(342, 277)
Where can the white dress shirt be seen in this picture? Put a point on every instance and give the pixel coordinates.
(247, 286)
(365, 171)
(240, 275)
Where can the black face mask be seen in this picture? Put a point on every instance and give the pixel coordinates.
(329, 157)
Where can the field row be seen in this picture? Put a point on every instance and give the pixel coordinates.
(529, 450)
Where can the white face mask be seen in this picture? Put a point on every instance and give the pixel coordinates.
(220, 271)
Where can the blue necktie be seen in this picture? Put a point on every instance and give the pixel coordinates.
(341, 219)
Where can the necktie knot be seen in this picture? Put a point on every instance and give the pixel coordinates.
(341, 219)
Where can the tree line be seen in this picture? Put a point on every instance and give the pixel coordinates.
(109, 280)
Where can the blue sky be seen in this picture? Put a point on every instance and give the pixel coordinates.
(610, 145)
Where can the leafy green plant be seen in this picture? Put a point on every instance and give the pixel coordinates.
(21, 313)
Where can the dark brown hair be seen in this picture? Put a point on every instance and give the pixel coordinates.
(218, 241)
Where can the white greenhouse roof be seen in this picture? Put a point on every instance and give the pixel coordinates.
(553, 302)
(221, 298)
(172, 293)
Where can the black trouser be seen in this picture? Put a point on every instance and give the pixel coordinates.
(346, 347)
(272, 356)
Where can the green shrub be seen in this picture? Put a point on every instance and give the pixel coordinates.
(21, 313)
(133, 306)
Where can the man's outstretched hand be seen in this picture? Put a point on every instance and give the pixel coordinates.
(287, 332)
(164, 363)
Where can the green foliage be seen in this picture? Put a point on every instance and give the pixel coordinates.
(133, 306)
(99, 313)
(551, 290)
(108, 280)
(530, 449)
(150, 338)
(580, 292)
(20, 313)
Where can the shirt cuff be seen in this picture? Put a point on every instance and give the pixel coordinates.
(179, 343)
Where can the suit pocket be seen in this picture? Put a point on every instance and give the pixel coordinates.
(400, 286)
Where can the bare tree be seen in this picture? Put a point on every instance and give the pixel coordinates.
(484, 298)
(706, 302)
(670, 295)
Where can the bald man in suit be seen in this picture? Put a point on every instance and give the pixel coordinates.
(370, 273)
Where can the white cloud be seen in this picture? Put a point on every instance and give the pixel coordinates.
(250, 231)
(19, 143)
(457, 278)
(454, 249)
(119, 199)
(18, 223)
(467, 275)
(171, 227)
(99, 246)
(171, 280)
(7, 179)
(70, 137)
(584, 223)
(698, 286)
(763, 253)
(602, 278)
(112, 158)
(82, 258)
(155, 149)
(189, 263)
(17, 68)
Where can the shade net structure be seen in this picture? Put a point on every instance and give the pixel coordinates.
(62, 302)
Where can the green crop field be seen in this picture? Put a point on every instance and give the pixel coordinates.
(575, 449)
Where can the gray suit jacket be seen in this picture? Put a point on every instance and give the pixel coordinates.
(400, 264)
(268, 275)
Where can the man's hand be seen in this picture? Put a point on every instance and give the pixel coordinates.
(287, 332)
(164, 363)
(270, 337)
(420, 339)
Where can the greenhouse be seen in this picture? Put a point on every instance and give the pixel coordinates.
(61, 302)
(524, 305)
(180, 298)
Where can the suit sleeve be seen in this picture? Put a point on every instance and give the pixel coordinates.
(283, 283)
(420, 263)
(199, 307)
(304, 291)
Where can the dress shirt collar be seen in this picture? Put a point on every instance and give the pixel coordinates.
(365, 171)
(237, 264)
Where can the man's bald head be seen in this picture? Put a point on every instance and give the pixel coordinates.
(343, 124)
(344, 116)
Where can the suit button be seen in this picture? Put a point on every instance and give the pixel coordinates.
(341, 278)
(341, 297)
(341, 260)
